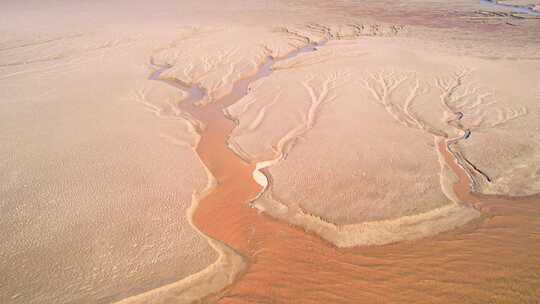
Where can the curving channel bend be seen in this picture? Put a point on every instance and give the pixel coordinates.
(287, 265)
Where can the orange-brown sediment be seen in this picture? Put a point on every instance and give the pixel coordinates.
(495, 259)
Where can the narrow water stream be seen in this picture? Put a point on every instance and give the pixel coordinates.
(522, 9)
(493, 260)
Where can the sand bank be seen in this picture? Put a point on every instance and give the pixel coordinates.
(344, 176)
(91, 218)
(95, 184)
(98, 167)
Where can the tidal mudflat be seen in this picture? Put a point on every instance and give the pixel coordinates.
(269, 152)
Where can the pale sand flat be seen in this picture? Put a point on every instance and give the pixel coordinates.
(97, 167)
(341, 178)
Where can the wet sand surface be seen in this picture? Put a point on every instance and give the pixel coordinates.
(496, 259)
(51, 57)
